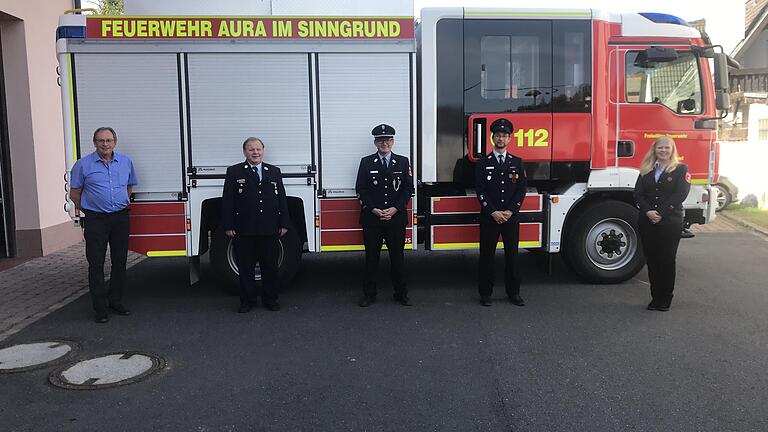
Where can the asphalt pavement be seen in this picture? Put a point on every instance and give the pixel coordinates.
(577, 358)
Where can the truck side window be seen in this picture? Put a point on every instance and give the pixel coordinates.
(507, 66)
(675, 84)
(572, 70)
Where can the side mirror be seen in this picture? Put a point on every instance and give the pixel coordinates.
(652, 55)
(721, 72)
(722, 100)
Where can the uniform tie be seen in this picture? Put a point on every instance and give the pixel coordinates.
(256, 171)
(501, 159)
(384, 162)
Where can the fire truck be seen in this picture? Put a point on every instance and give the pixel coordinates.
(587, 92)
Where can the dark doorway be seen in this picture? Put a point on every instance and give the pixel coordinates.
(7, 248)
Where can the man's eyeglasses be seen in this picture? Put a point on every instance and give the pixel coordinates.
(383, 140)
(104, 141)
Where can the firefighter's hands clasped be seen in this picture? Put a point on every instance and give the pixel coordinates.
(230, 233)
(385, 214)
(653, 216)
(501, 216)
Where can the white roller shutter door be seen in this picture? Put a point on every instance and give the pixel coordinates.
(138, 96)
(357, 92)
(234, 96)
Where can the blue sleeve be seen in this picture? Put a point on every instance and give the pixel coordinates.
(77, 178)
(132, 180)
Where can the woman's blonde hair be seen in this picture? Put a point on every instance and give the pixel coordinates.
(649, 161)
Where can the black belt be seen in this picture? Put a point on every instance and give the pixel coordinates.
(94, 212)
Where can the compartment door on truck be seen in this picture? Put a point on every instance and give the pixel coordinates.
(358, 91)
(233, 96)
(138, 96)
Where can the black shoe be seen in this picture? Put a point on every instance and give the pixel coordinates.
(120, 309)
(687, 233)
(485, 300)
(652, 306)
(244, 308)
(367, 301)
(101, 319)
(273, 306)
(403, 299)
(517, 300)
(662, 308)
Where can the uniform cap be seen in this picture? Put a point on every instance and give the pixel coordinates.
(501, 125)
(383, 131)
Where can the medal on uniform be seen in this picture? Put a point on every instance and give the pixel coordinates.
(488, 178)
(375, 182)
(396, 182)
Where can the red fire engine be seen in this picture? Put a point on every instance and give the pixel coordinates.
(587, 92)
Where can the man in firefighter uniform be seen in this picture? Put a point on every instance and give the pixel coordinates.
(254, 214)
(384, 186)
(500, 184)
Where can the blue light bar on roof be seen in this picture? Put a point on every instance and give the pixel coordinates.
(662, 18)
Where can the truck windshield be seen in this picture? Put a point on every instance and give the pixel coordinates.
(675, 84)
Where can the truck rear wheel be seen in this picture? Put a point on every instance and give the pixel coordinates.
(603, 245)
(224, 263)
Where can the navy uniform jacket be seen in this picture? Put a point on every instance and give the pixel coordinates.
(251, 207)
(665, 196)
(381, 188)
(500, 186)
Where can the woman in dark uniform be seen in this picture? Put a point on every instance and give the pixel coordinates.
(660, 191)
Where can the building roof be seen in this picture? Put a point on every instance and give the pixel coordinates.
(757, 26)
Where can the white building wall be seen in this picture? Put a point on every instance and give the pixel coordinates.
(744, 162)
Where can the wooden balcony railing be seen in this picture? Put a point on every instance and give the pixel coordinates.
(749, 80)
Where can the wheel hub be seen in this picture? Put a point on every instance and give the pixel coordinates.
(611, 243)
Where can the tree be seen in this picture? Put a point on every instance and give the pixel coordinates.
(110, 7)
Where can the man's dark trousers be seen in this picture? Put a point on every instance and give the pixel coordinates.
(394, 235)
(489, 235)
(102, 229)
(250, 249)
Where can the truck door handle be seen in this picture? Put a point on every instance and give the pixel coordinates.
(478, 126)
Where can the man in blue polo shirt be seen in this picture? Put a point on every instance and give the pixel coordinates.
(101, 187)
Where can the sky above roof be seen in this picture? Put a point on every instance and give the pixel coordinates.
(725, 20)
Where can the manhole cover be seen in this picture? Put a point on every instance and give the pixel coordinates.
(37, 355)
(108, 370)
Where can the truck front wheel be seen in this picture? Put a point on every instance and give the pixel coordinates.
(602, 244)
(224, 263)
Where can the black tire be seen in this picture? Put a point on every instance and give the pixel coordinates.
(724, 197)
(225, 267)
(602, 244)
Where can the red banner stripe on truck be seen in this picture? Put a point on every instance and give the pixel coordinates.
(470, 204)
(468, 236)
